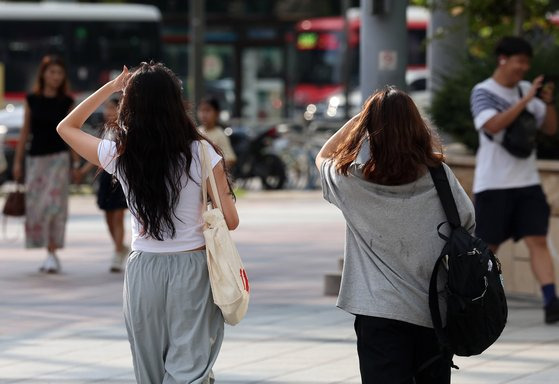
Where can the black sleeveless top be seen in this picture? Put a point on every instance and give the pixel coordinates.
(46, 113)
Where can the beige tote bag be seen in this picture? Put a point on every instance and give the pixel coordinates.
(228, 278)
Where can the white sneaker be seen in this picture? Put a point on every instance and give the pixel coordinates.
(116, 263)
(45, 265)
(51, 264)
(118, 260)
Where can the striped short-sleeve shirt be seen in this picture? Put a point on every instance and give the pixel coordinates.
(495, 167)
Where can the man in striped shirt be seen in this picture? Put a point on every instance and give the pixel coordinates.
(509, 200)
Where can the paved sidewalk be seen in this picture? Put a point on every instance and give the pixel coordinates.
(68, 328)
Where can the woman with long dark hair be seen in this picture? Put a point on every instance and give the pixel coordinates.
(47, 167)
(375, 170)
(174, 327)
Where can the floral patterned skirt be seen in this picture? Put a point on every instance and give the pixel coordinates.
(47, 180)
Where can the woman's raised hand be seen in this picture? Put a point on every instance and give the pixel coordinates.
(119, 83)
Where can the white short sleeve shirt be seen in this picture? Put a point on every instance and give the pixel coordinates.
(188, 220)
(495, 167)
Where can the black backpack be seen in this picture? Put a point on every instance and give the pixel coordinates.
(476, 303)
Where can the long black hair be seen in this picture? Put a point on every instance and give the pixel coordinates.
(154, 137)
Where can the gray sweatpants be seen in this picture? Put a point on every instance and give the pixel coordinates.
(174, 327)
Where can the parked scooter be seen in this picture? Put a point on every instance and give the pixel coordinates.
(256, 157)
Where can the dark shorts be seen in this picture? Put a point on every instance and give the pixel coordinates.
(110, 196)
(396, 352)
(514, 213)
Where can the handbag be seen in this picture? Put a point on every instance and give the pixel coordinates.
(228, 278)
(520, 136)
(15, 202)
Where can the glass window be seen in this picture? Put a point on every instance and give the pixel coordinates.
(218, 69)
(23, 46)
(175, 56)
(263, 83)
(416, 47)
(319, 67)
(319, 59)
(92, 50)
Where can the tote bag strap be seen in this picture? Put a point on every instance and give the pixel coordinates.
(207, 172)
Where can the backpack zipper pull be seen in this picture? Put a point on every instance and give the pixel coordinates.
(473, 252)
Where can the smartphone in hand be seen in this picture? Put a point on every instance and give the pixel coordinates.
(548, 80)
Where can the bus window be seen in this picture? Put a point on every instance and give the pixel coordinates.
(21, 52)
(95, 40)
(128, 42)
(320, 64)
(416, 47)
(418, 85)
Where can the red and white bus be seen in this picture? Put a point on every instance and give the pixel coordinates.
(94, 40)
(319, 89)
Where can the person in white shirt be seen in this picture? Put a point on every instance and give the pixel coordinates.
(509, 200)
(174, 327)
(208, 115)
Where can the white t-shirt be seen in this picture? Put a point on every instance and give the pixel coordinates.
(495, 167)
(188, 221)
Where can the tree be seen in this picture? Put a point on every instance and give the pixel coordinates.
(491, 19)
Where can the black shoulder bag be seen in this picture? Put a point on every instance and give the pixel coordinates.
(520, 136)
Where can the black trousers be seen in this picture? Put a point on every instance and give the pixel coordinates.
(392, 351)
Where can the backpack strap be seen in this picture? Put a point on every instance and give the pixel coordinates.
(442, 185)
(444, 342)
(449, 205)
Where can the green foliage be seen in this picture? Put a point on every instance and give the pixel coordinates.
(450, 107)
(489, 20)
